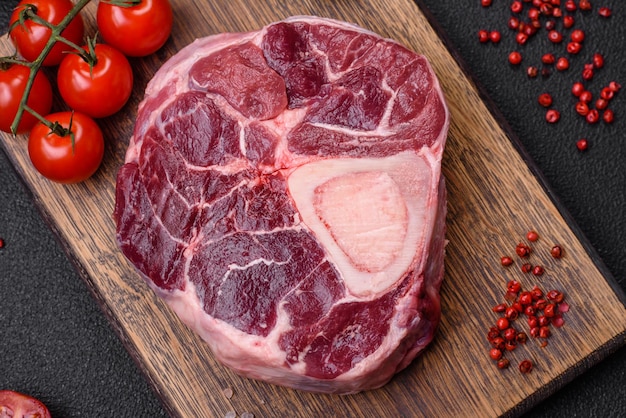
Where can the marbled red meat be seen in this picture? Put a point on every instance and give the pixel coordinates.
(282, 191)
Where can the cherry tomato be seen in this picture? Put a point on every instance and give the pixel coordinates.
(30, 38)
(56, 158)
(136, 31)
(12, 85)
(100, 90)
(15, 404)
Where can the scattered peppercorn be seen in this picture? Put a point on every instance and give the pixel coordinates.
(605, 12)
(503, 363)
(506, 261)
(545, 100)
(553, 116)
(593, 116)
(532, 236)
(556, 251)
(494, 36)
(562, 64)
(525, 366)
(515, 58)
(582, 145)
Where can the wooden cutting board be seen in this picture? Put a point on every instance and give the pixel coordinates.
(494, 198)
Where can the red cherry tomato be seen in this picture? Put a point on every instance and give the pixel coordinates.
(15, 404)
(30, 38)
(136, 31)
(56, 158)
(12, 85)
(100, 90)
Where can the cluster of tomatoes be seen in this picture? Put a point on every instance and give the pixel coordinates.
(95, 80)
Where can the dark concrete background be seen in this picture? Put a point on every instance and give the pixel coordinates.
(56, 345)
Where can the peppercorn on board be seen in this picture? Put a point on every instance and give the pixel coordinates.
(488, 177)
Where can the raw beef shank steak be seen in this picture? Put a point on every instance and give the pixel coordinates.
(282, 191)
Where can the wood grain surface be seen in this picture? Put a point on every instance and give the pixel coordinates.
(494, 198)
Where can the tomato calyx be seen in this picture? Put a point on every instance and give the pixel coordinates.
(9, 61)
(57, 129)
(89, 55)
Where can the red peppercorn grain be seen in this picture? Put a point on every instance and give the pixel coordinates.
(608, 116)
(526, 268)
(510, 345)
(598, 60)
(514, 286)
(570, 6)
(495, 354)
(509, 334)
(545, 100)
(494, 36)
(577, 35)
(568, 21)
(515, 58)
(555, 36)
(593, 116)
(548, 59)
(498, 342)
(517, 6)
(587, 74)
(525, 298)
(506, 261)
(582, 145)
(574, 47)
(503, 363)
(562, 64)
(483, 36)
(525, 366)
(606, 93)
(556, 251)
(532, 236)
(602, 104)
(615, 86)
(521, 337)
(501, 307)
(511, 313)
(553, 116)
(532, 71)
(577, 89)
(502, 324)
(485, 3)
(1, 243)
(550, 310)
(605, 12)
(555, 296)
(513, 23)
(538, 270)
(521, 38)
(582, 108)
(586, 96)
(584, 5)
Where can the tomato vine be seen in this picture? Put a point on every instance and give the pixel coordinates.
(29, 12)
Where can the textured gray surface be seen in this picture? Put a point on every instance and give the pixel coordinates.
(56, 344)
